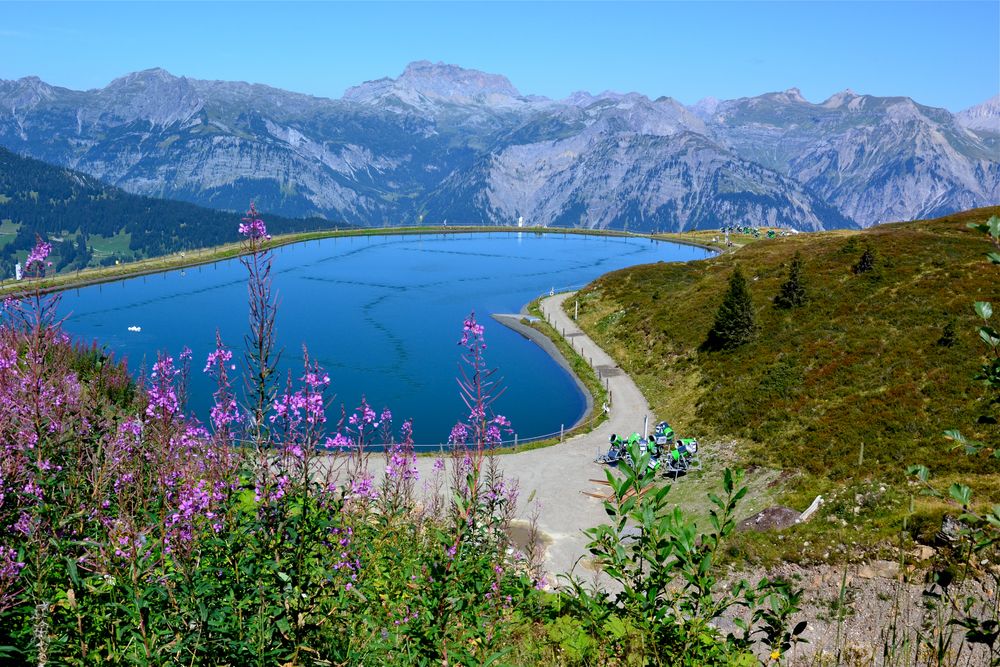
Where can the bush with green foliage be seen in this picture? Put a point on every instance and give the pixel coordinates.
(665, 568)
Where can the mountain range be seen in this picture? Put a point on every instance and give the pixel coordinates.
(441, 143)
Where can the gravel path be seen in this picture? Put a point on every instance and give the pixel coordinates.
(559, 475)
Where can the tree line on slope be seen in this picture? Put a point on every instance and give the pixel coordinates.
(66, 208)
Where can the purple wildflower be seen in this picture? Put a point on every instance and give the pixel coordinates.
(35, 263)
(253, 227)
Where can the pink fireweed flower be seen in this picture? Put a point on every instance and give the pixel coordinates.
(225, 411)
(472, 329)
(10, 567)
(35, 263)
(10, 570)
(363, 488)
(401, 463)
(253, 227)
(338, 441)
(308, 403)
(223, 415)
(367, 415)
(162, 396)
(220, 356)
(479, 390)
(459, 434)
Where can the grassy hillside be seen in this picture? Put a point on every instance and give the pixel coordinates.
(861, 362)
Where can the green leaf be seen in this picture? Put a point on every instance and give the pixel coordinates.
(246, 500)
(615, 626)
(984, 309)
(993, 225)
(74, 574)
(961, 493)
(990, 336)
(727, 481)
(496, 656)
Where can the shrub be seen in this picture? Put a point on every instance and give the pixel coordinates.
(866, 262)
(665, 569)
(792, 293)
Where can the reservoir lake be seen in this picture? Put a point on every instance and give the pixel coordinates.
(381, 314)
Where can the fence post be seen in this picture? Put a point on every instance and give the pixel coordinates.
(515, 441)
(861, 454)
(561, 429)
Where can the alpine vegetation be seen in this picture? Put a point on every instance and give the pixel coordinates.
(132, 532)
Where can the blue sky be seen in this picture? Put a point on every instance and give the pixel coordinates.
(939, 53)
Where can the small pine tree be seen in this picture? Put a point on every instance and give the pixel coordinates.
(793, 292)
(734, 321)
(866, 263)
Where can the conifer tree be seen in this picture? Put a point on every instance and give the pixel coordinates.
(734, 321)
(866, 263)
(793, 292)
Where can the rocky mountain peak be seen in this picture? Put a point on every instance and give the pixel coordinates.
(706, 107)
(983, 117)
(153, 76)
(794, 95)
(33, 82)
(154, 95)
(26, 93)
(790, 96)
(453, 81)
(844, 98)
(423, 80)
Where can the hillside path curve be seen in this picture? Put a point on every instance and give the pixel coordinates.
(560, 476)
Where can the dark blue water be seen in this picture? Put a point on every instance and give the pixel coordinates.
(382, 314)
